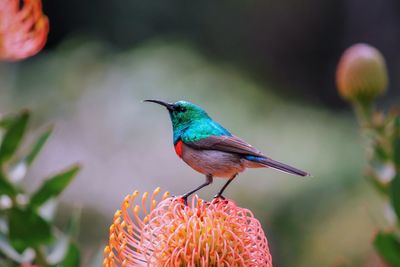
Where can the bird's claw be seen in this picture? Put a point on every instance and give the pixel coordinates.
(219, 196)
(185, 200)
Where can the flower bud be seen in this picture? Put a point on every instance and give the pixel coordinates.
(361, 73)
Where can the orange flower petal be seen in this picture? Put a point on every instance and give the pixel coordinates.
(172, 234)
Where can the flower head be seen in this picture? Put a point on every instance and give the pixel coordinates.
(173, 234)
(361, 73)
(23, 30)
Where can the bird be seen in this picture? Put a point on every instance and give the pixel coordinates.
(210, 149)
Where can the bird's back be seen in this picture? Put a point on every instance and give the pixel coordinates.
(204, 128)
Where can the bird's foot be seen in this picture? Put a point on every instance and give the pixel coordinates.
(185, 199)
(219, 196)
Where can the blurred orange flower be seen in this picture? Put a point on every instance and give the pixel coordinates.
(173, 234)
(23, 29)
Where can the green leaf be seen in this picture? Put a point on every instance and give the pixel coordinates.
(38, 146)
(396, 154)
(59, 250)
(379, 152)
(396, 143)
(7, 250)
(395, 194)
(74, 222)
(6, 121)
(397, 123)
(7, 188)
(54, 186)
(13, 136)
(388, 248)
(28, 229)
(6, 263)
(72, 258)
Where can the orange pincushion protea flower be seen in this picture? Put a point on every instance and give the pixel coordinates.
(23, 30)
(172, 234)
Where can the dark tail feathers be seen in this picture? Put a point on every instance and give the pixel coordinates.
(278, 166)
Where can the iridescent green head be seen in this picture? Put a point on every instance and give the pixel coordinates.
(191, 122)
(182, 113)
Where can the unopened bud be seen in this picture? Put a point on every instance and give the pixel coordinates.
(361, 73)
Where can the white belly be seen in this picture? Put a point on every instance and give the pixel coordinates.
(216, 163)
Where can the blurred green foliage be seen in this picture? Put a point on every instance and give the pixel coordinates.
(27, 232)
(388, 246)
(382, 132)
(383, 170)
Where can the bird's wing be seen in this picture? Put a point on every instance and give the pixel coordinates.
(233, 144)
(230, 144)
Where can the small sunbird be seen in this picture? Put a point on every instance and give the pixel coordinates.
(212, 150)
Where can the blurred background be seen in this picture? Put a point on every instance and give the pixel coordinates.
(264, 69)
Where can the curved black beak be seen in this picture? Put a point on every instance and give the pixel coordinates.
(162, 103)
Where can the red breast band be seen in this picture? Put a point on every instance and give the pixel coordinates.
(178, 148)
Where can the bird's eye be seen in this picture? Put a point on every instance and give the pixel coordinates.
(180, 109)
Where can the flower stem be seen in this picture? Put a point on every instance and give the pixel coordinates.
(364, 110)
(40, 258)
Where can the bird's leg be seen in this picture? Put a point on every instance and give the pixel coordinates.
(219, 195)
(209, 180)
